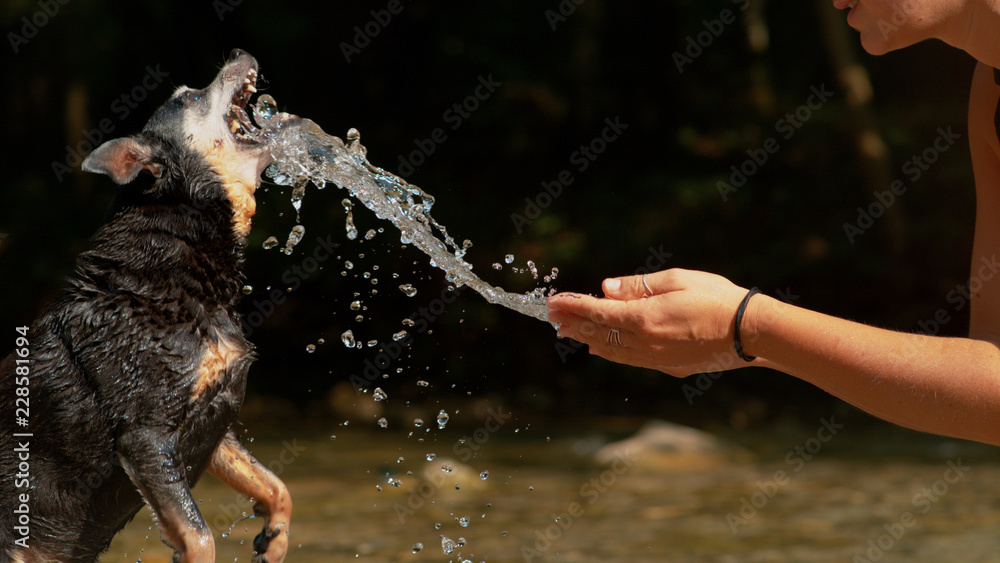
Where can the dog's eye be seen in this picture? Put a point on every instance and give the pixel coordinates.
(192, 96)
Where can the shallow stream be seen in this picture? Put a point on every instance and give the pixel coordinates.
(883, 495)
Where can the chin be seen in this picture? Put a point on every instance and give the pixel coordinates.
(875, 47)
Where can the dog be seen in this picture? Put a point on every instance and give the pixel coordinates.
(127, 386)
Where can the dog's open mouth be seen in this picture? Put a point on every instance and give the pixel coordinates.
(237, 120)
(266, 122)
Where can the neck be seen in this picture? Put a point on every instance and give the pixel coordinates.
(976, 30)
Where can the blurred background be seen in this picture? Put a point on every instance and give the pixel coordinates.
(696, 94)
(744, 138)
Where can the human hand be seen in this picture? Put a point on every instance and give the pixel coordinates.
(681, 324)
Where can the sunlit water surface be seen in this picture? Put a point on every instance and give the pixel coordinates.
(366, 494)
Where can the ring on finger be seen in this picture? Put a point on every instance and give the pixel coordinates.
(614, 337)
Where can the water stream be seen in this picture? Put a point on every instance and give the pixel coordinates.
(303, 153)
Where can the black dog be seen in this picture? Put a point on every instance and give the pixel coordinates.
(127, 385)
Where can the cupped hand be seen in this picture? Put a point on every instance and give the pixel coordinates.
(679, 322)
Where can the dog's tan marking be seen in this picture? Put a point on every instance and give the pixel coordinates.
(216, 359)
(237, 168)
(240, 179)
(232, 464)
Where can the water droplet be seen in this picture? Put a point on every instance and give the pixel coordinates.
(355, 305)
(508, 258)
(447, 468)
(437, 525)
(422, 383)
(265, 109)
(352, 231)
(497, 266)
(372, 343)
(321, 341)
(379, 395)
(431, 456)
(533, 269)
(408, 290)
(442, 419)
(417, 547)
(270, 243)
(448, 545)
(484, 475)
(347, 338)
(383, 423)
(399, 335)
(310, 348)
(395, 482)
(294, 237)
(298, 194)
(463, 521)
(348, 264)
(409, 322)
(418, 422)
(370, 234)
(247, 289)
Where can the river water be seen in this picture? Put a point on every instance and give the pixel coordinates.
(788, 493)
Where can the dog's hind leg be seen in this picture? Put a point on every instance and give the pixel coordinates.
(150, 459)
(235, 466)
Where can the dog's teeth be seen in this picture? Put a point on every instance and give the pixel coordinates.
(250, 88)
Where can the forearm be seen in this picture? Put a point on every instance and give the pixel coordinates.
(947, 386)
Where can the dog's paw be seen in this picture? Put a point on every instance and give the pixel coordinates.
(270, 546)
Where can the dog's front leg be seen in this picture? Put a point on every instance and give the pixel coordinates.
(151, 461)
(235, 466)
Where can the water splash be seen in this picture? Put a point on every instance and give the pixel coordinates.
(303, 152)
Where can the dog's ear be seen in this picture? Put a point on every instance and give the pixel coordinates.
(122, 159)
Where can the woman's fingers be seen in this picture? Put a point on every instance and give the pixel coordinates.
(605, 312)
(646, 285)
(591, 332)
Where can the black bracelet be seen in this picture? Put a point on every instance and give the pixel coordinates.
(737, 339)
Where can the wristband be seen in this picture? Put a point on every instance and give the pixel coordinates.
(737, 339)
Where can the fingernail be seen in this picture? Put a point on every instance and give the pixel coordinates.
(612, 285)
